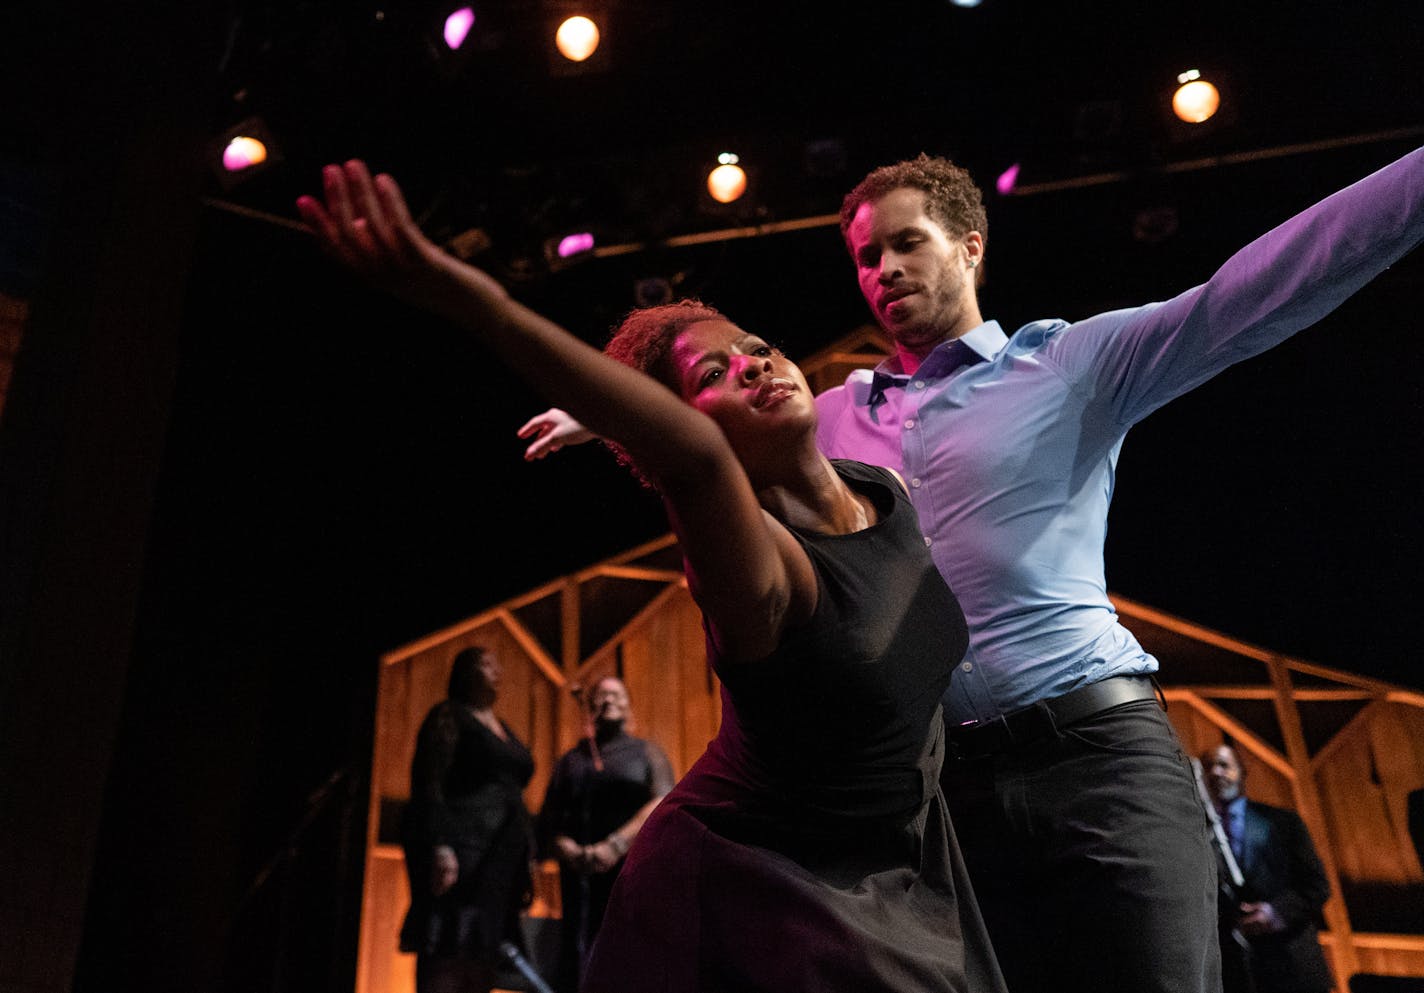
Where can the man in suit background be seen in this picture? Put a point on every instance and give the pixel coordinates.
(1284, 888)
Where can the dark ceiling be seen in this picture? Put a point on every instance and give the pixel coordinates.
(507, 135)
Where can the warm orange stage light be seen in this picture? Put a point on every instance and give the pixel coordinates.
(727, 182)
(577, 38)
(1196, 100)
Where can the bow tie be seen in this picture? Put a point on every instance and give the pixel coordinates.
(937, 365)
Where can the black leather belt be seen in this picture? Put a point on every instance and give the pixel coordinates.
(1044, 719)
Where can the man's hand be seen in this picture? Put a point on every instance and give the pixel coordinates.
(551, 431)
(602, 857)
(444, 870)
(1260, 918)
(571, 853)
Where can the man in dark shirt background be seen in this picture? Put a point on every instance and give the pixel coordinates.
(600, 793)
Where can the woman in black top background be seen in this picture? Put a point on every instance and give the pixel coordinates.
(466, 834)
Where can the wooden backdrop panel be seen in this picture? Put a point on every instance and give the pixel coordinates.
(665, 663)
(1264, 783)
(1364, 784)
(382, 967)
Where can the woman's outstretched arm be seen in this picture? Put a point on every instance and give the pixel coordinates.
(756, 568)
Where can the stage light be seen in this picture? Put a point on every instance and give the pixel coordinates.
(966, 3)
(1007, 180)
(1196, 100)
(243, 152)
(470, 243)
(727, 182)
(577, 38)
(458, 25)
(574, 244)
(567, 248)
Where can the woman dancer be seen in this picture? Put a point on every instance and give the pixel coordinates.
(809, 847)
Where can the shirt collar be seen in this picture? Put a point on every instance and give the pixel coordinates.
(980, 344)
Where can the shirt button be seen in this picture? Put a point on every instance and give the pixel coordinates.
(915, 483)
(968, 667)
(919, 384)
(928, 541)
(909, 424)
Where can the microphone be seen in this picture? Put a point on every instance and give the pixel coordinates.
(513, 957)
(576, 689)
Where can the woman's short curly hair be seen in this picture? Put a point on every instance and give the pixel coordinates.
(951, 198)
(643, 340)
(644, 337)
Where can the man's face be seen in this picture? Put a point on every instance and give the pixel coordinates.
(917, 277)
(1222, 772)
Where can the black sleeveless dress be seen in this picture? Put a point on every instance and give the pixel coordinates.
(809, 847)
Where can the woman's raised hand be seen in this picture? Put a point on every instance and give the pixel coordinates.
(365, 225)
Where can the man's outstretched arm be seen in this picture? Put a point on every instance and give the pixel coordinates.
(1284, 281)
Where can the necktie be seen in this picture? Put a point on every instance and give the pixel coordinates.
(1233, 827)
(937, 365)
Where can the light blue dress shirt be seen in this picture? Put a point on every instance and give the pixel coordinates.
(1011, 460)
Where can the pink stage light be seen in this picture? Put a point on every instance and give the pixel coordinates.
(243, 153)
(457, 26)
(1007, 180)
(575, 244)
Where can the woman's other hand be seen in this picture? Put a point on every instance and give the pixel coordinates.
(444, 870)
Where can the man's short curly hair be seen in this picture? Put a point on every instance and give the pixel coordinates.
(951, 198)
(643, 340)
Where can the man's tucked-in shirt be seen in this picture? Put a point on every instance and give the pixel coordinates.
(1010, 460)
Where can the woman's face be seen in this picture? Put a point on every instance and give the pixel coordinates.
(749, 388)
(489, 671)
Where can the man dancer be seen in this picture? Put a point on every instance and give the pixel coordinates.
(1076, 808)
(1074, 804)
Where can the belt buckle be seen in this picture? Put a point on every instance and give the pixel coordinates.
(1034, 723)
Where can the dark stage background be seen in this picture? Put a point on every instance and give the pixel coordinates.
(339, 474)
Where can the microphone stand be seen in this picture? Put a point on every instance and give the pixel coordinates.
(1234, 885)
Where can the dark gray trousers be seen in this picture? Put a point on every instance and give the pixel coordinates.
(1090, 858)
